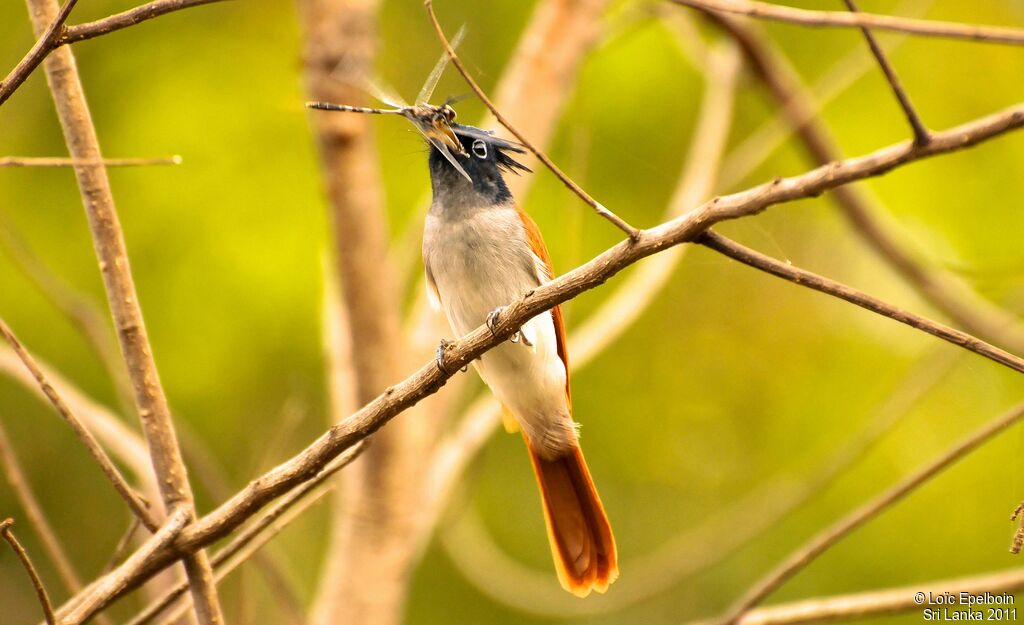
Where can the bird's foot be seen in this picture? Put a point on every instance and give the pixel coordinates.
(442, 349)
(494, 317)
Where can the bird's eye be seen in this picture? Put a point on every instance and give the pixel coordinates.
(480, 149)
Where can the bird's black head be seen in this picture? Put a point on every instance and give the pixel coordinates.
(484, 158)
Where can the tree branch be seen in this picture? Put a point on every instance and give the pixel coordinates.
(138, 506)
(974, 313)
(952, 30)
(131, 17)
(246, 536)
(108, 241)
(45, 43)
(601, 210)
(429, 378)
(810, 280)
(50, 161)
(37, 583)
(98, 594)
(810, 551)
(878, 602)
(916, 125)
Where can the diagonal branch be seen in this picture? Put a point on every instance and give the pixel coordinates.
(84, 607)
(430, 378)
(45, 43)
(916, 125)
(810, 280)
(807, 553)
(242, 540)
(950, 295)
(138, 506)
(37, 583)
(131, 17)
(108, 241)
(541, 156)
(928, 28)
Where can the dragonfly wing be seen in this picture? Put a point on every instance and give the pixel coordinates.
(435, 74)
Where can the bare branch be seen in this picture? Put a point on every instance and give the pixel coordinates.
(35, 56)
(568, 182)
(753, 150)
(131, 17)
(810, 551)
(880, 602)
(108, 241)
(429, 378)
(944, 291)
(99, 593)
(952, 30)
(37, 583)
(245, 537)
(810, 280)
(138, 506)
(50, 161)
(916, 125)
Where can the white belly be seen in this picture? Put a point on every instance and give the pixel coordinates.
(479, 263)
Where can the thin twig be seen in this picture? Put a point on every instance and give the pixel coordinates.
(879, 602)
(804, 278)
(131, 17)
(603, 211)
(138, 506)
(123, 543)
(950, 295)
(253, 531)
(928, 28)
(99, 593)
(801, 107)
(37, 53)
(37, 583)
(916, 125)
(813, 548)
(36, 516)
(429, 378)
(108, 241)
(53, 161)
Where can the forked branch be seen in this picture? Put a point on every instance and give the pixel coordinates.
(601, 210)
(429, 378)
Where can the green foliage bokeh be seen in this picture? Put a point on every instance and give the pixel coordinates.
(730, 380)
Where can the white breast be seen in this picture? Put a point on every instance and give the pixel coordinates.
(482, 261)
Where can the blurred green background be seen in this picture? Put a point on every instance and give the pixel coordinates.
(731, 380)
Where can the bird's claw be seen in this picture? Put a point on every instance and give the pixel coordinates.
(442, 349)
(494, 317)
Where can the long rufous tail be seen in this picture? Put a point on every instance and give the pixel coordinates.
(581, 539)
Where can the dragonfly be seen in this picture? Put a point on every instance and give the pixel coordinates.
(432, 121)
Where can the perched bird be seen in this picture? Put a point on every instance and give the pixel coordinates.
(482, 252)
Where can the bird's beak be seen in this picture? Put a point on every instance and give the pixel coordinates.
(442, 137)
(439, 130)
